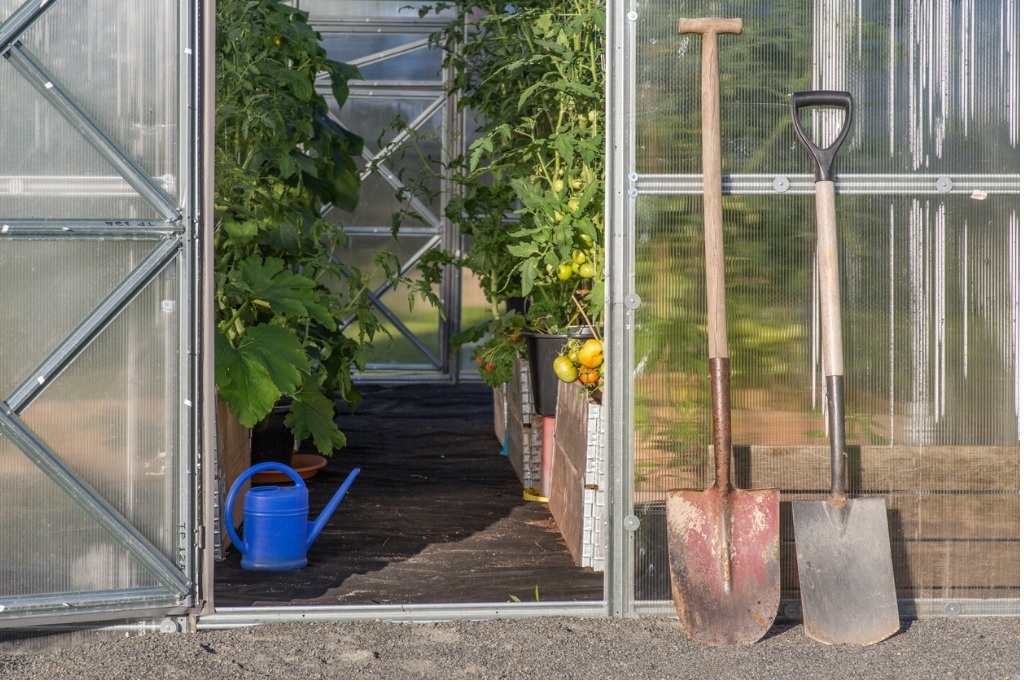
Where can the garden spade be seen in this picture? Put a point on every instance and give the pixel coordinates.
(723, 543)
(847, 589)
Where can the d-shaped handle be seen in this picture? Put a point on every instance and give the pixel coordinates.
(823, 158)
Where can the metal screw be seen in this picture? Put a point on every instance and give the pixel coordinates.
(631, 15)
(952, 609)
(633, 192)
(944, 184)
(632, 301)
(631, 523)
(633, 177)
(780, 184)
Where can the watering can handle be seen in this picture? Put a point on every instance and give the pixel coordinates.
(823, 158)
(229, 503)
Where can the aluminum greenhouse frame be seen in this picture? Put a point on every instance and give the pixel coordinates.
(151, 217)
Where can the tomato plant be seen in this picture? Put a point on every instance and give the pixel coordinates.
(532, 72)
(282, 298)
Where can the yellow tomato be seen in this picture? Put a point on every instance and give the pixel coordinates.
(592, 353)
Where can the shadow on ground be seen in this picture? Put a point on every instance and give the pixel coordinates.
(435, 516)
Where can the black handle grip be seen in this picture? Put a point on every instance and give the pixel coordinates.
(823, 158)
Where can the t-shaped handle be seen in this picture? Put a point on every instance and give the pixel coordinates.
(710, 25)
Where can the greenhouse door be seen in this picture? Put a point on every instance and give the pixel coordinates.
(99, 344)
(410, 131)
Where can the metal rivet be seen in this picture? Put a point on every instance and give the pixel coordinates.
(780, 184)
(944, 184)
(631, 15)
(632, 301)
(952, 609)
(631, 523)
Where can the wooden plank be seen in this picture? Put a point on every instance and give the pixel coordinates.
(949, 568)
(500, 412)
(233, 459)
(941, 565)
(935, 517)
(524, 432)
(566, 500)
(877, 468)
(571, 423)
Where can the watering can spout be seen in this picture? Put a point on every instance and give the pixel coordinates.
(316, 526)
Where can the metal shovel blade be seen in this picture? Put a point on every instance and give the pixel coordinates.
(847, 590)
(724, 562)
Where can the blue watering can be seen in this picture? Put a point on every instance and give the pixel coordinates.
(275, 520)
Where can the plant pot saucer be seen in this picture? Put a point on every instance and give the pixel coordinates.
(305, 465)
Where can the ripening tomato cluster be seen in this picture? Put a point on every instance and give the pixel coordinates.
(581, 361)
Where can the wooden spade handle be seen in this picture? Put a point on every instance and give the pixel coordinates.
(714, 249)
(711, 160)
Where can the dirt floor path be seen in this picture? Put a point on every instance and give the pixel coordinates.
(436, 516)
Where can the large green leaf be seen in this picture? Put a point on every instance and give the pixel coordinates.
(312, 416)
(265, 365)
(285, 292)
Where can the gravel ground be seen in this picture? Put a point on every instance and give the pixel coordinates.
(535, 648)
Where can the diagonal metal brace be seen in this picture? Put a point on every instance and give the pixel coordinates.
(123, 532)
(98, 319)
(20, 20)
(47, 85)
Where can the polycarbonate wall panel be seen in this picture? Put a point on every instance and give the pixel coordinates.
(935, 85)
(111, 417)
(929, 281)
(361, 10)
(117, 65)
(421, 64)
(49, 287)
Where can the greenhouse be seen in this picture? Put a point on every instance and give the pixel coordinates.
(774, 252)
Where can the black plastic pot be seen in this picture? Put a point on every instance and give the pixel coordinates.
(272, 441)
(541, 351)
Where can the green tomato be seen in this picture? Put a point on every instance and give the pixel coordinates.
(587, 270)
(579, 257)
(564, 271)
(564, 369)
